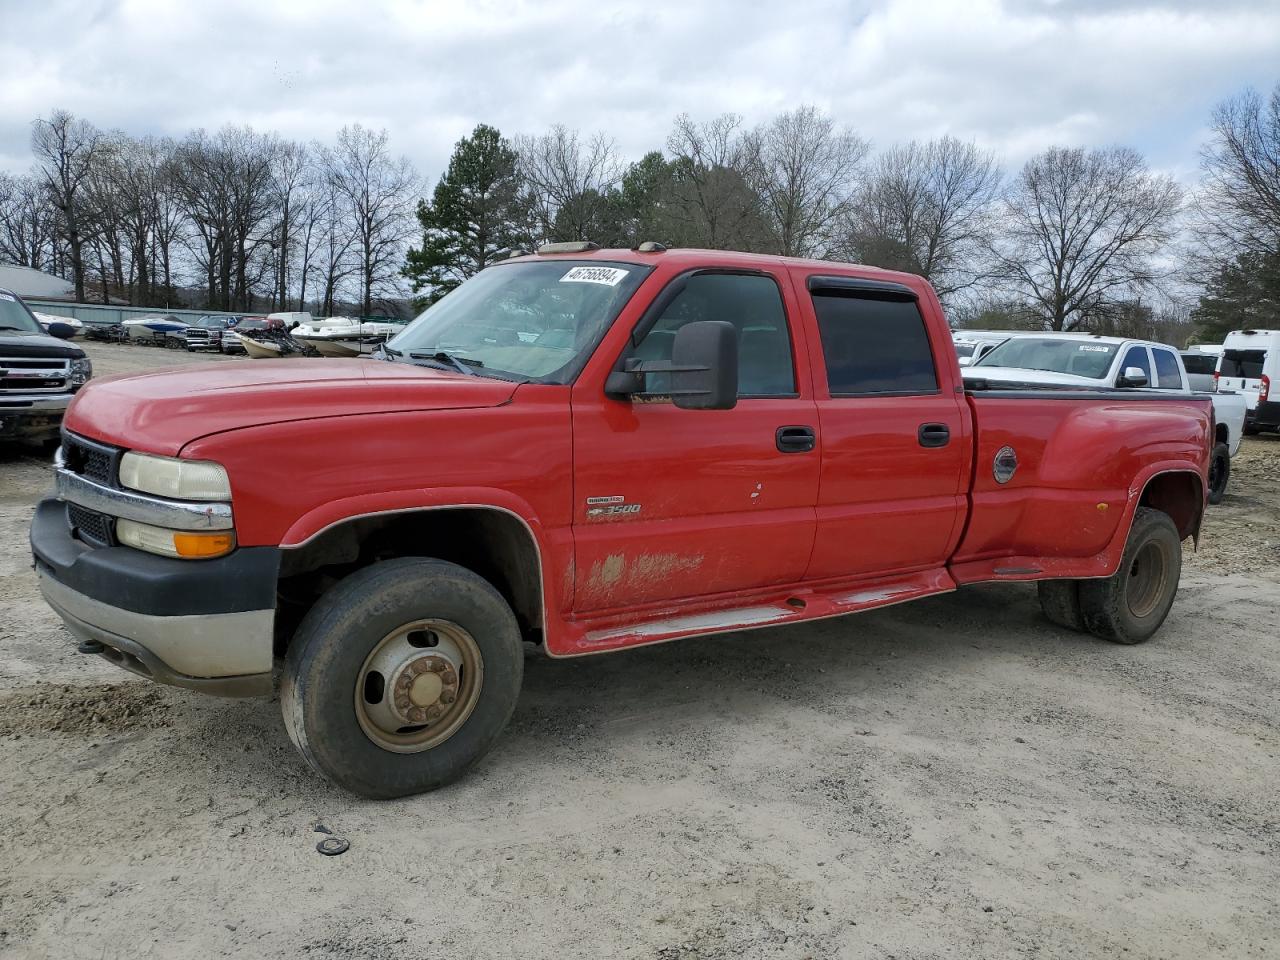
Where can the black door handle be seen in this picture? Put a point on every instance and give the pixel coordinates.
(934, 435)
(796, 439)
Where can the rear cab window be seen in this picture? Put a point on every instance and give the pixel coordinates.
(873, 343)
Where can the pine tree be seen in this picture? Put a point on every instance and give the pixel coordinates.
(1245, 294)
(476, 210)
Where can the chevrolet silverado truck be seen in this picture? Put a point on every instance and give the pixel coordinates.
(589, 450)
(39, 372)
(1091, 360)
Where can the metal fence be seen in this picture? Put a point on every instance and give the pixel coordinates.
(98, 314)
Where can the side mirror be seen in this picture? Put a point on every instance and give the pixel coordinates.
(63, 331)
(1133, 377)
(703, 369)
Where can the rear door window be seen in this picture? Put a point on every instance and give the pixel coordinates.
(1168, 376)
(1243, 363)
(1200, 363)
(873, 346)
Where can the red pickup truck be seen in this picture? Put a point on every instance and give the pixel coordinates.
(590, 450)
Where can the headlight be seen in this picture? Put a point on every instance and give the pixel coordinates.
(185, 544)
(81, 370)
(171, 477)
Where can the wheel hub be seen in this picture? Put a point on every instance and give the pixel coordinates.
(424, 687)
(418, 685)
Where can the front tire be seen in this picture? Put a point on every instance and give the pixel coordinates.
(401, 677)
(1130, 605)
(1219, 472)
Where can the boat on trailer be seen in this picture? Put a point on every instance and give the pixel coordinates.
(344, 336)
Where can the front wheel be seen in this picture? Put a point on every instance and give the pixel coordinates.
(1130, 605)
(401, 677)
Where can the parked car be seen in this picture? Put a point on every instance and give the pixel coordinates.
(1201, 364)
(668, 444)
(206, 333)
(40, 372)
(972, 345)
(1251, 363)
(1088, 360)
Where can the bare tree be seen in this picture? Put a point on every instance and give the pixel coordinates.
(66, 150)
(804, 170)
(226, 189)
(376, 191)
(1080, 230)
(927, 209)
(1239, 204)
(26, 222)
(290, 173)
(711, 202)
(568, 180)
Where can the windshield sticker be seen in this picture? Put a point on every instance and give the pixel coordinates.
(7, 296)
(1090, 348)
(609, 276)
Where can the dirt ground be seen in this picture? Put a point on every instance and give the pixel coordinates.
(949, 778)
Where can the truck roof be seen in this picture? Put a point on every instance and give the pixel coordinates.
(694, 257)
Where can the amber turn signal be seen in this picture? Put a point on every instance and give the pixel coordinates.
(204, 545)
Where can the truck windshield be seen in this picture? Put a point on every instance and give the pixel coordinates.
(531, 320)
(15, 316)
(1083, 358)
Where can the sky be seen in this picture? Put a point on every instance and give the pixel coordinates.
(1015, 76)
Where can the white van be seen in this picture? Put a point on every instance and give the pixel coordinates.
(1251, 364)
(972, 345)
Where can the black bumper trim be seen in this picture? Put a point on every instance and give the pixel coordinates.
(144, 583)
(1267, 413)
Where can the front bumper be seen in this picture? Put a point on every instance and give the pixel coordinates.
(203, 624)
(32, 416)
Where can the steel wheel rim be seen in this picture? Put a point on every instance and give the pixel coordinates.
(418, 685)
(1148, 574)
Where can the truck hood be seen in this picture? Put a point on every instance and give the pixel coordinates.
(28, 343)
(162, 412)
(1021, 375)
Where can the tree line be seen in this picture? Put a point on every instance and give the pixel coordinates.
(1074, 239)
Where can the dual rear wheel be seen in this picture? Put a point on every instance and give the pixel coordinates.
(1130, 605)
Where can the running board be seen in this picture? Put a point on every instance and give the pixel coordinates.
(613, 631)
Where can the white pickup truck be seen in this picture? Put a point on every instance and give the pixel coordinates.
(1086, 360)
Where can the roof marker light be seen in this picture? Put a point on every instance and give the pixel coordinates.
(572, 246)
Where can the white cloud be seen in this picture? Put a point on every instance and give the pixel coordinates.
(1016, 76)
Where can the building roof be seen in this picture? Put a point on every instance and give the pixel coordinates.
(26, 282)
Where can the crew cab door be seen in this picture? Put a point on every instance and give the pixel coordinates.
(673, 503)
(895, 431)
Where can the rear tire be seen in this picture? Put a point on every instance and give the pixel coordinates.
(350, 672)
(1060, 602)
(1130, 605)
(1219, 472)
(1250, 430)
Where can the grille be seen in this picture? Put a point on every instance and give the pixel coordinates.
(33, 374)
(90, 460)
(93, 528)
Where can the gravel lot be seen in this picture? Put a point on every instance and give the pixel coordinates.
(949, 778)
